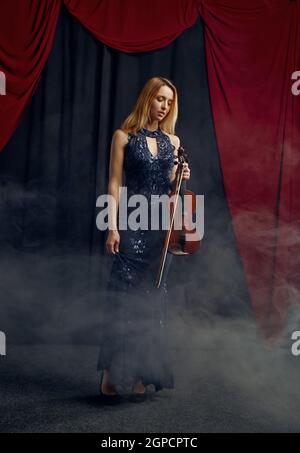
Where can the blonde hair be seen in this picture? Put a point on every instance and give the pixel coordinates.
(139, 116)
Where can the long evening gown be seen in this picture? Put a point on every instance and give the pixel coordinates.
(133, 339)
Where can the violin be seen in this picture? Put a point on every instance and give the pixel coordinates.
(177, 241)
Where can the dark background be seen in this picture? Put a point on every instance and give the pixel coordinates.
(53, 263)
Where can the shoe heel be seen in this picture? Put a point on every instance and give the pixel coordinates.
(107, 398)
(100, 389)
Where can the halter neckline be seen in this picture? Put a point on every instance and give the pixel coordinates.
(149, 133)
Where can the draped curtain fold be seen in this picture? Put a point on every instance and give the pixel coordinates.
(26, 34)
(134, 26)
(252, 50)
(27, 28)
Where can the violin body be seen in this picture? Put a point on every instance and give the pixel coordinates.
(179, 241)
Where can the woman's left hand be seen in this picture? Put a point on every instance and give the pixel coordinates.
(186, 171)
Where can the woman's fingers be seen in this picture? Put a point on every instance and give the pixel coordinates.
(109, 247)
(186, 171)
(112, 247)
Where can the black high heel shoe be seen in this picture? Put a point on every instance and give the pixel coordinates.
(110, 399)
(138, 397)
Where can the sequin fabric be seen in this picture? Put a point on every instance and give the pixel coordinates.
(145, 173)
(134, 343)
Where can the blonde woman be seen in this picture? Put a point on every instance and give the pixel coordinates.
(134, 347)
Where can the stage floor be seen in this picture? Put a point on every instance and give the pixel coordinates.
(53, 388)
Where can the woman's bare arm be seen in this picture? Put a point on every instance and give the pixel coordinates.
(186, 170)
(176, 143)
(119, 140)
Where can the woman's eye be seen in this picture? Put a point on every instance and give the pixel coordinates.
(161, 99)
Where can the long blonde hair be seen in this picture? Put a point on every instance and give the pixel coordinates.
(139, 116)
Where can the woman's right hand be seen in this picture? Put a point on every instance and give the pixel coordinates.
(112, 242)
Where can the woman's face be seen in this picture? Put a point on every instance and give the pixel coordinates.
(161, 104)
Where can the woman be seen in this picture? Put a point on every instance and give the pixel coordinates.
(134, 351)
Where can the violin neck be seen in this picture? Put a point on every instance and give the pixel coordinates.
(182, 190)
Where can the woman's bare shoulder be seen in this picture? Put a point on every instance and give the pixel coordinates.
(175, 140)
(120, 136)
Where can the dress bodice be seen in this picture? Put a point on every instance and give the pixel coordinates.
(145, 173)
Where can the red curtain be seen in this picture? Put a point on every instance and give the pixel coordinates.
(26, 34)
(27, 29)
(134, 25)
(252, 50)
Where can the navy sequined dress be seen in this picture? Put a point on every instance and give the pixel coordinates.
(134, 340)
